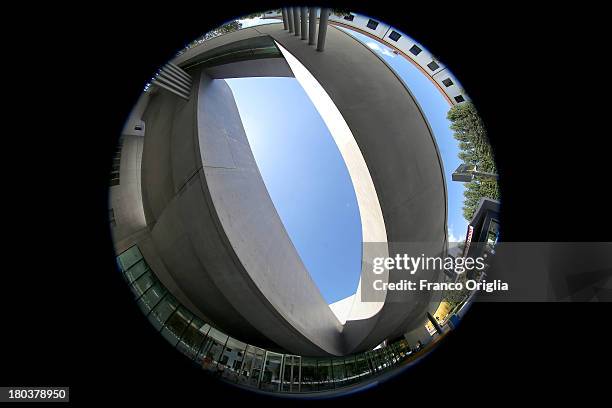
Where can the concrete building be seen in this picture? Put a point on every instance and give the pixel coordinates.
(392, 37)
(189, 208)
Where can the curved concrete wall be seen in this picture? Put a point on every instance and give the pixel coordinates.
(264, 254)
(209, 209)
(217, 232)
(392, 37)
(400, 151)
(438, 73)
(177, 211)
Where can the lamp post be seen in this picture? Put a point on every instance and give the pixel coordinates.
(467, 172)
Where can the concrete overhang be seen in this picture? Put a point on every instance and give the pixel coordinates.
(216, 229)
(255, 56)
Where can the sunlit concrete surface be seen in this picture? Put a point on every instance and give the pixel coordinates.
(212, 234)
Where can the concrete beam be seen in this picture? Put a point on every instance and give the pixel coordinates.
(303, 12)
(290, 19)
(285, 22)
(263, 67)
(296, 21)
(322, 28)
(312, 25)
(435, 323)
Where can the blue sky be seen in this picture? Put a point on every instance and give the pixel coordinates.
(308, 180)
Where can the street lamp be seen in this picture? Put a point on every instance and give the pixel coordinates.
(467, 172)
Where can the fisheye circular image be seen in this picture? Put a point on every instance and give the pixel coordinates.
(295, 197)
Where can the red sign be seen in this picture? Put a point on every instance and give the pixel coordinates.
(468, 239)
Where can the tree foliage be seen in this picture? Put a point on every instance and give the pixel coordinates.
(226, 28)
(470, 131)
(341, 11)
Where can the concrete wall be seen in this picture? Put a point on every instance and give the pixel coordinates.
(403, 44)
(284, 299)
(401, 154)
(399, 150)
(125, 199)
(215, 235)
(418, 334)
(208, 210)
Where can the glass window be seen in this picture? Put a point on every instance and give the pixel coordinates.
(391, 355)
(372, 24)
(211, 349)
(136, 271)
(374, 361)
(493, 234)
(144, 282)
(291, 373)
(192, 338)
(433, 65)
(245, 369)
(232, 357)
(325, 378)
(339, 372)
(151, 297)
(459, 98)
(162, 311)
(447, 82)
(395, 35)
(380, 359)
(270, 381)
(387, 356)
(251, 368)
(398, 351)
(415, 49)
(349, 17)
(129, 257)
(362, 367)
(309, 375)
(176, 325)
(351, 370)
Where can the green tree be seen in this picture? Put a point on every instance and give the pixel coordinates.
(226, 28)
(341, 12)
(470, 131)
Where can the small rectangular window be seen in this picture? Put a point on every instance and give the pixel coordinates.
(111, 216)
(114, 178)
(372, 24)
(459, 98)
(433, 66)
(415, 50)
(349, 17)
(129, 257)
(395, 35)
(447, 82)
(144, 282)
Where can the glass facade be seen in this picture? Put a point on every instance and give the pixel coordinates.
(241, 363)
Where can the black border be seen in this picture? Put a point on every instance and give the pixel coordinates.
(69, 319)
